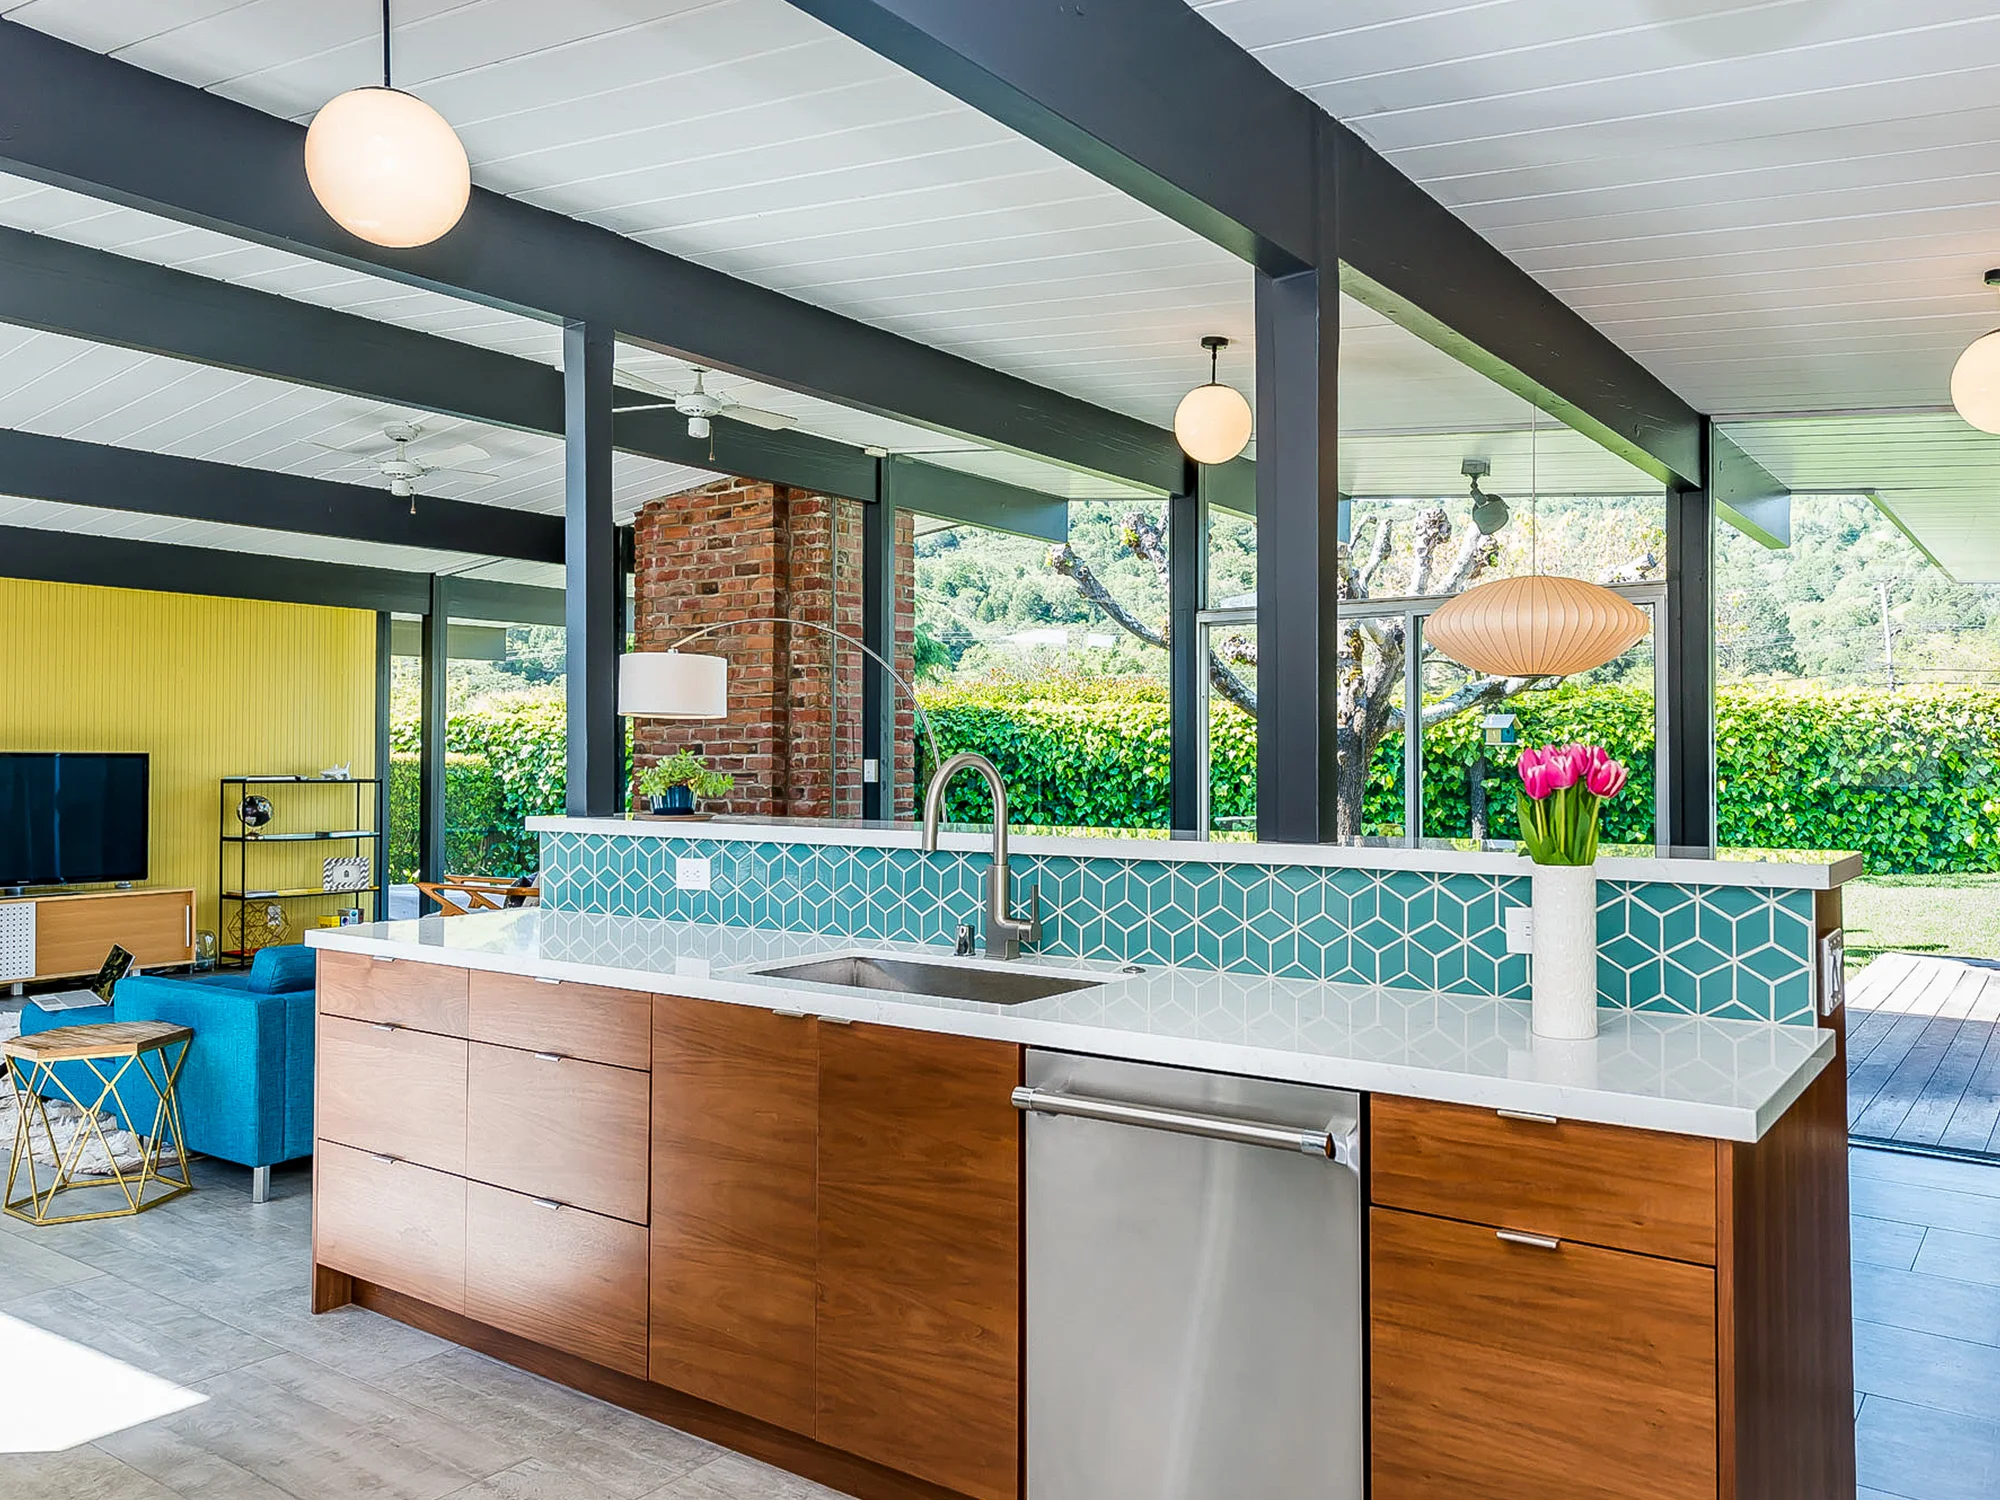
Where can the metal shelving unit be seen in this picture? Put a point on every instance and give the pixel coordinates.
(359, 835)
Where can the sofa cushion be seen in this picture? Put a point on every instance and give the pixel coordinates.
(282, 969)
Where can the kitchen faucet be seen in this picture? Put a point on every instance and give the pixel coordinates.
(1004, 933)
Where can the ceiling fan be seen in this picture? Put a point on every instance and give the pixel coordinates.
(701, 406)
(402, 468)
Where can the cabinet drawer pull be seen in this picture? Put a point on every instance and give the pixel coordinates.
(548, 1057)
(385, 1025)
(790, 1015)
(1526, 1118)
(1531, 1241)
(539, 979)
(548, 1203)
(836, 1020)
(383, 1157)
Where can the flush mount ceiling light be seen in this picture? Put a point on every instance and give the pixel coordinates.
(1975, 379)
(1212, 422)
(385, 165)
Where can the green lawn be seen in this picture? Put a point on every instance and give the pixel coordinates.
(1957, 915)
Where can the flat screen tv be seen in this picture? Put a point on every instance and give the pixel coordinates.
(72, 819)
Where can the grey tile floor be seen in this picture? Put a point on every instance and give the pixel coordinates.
(208, 1292)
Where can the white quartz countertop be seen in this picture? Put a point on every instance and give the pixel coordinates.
(1761, 868)
(1730, 1080)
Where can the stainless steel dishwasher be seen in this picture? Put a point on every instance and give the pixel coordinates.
(1193, 1285)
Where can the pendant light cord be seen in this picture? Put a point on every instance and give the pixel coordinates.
(385, 46)
(1534, 486)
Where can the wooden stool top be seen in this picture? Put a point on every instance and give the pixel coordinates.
(110, 1039)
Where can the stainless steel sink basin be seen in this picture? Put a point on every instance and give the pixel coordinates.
(916, 976)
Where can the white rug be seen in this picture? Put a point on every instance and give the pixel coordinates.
(66, 1122)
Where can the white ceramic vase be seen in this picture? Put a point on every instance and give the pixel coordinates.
(1563, 970)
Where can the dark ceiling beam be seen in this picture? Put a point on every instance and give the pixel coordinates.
(57, 287)
(79, 120)
(971, 499)
(1153, 99)
(37, 467)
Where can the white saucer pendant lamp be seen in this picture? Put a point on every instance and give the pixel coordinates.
(1540, 626)
(385, 165)
(1975, 379)
(1212, 423)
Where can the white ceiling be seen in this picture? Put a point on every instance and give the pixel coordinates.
(1778, 206)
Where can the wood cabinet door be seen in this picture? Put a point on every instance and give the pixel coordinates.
(383, 1088)
(920, 1255)
(1515, 1372)
(399, 991)
(735, 1128)
(391, 1222)
(585, 1021)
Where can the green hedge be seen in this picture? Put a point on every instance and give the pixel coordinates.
(478, 838)
(503, 765)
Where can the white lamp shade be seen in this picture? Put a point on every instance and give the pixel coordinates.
(1212, 423)
(672, 685)
(387, 167)
(1541, 626)
(1975, 383)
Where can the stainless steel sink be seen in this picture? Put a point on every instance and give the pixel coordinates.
(916, 976)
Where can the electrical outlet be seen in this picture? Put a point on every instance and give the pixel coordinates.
(1520, 929)
(691, 874)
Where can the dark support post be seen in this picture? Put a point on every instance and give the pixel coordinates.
(628, 562)
(1298, 542)
(1187, 526)
(430, 744)
(878, 633)
(1688, 638)
(590, 563)
(385, 666)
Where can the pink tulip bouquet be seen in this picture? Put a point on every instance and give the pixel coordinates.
(1563, 788)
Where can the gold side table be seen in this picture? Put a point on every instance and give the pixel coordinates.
(111, 1053)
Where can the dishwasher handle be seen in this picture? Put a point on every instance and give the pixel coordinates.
(1327, 1144)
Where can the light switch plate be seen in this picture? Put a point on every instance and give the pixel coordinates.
(690, 873)
(1520, 929)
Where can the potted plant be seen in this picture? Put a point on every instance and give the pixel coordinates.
(1563, 791)
(671, 786)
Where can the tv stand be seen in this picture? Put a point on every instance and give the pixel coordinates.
(73, 933)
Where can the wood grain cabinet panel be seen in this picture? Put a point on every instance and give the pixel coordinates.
(73, 933)
(423, 997)
(919, 1351)
(1519, 1373)
(554, 1127)
(390, 1222)
(735, 1131)
(1601, 1184)
(560, 1276)
(382, 1088)
(585, 1021)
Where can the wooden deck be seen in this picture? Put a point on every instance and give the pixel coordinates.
(1923, 1054)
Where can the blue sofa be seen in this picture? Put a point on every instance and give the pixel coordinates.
(246, 1091)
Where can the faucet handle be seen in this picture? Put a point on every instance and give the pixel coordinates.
(1034, 932)
(962, 946)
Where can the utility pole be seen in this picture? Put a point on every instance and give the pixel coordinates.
(1888, 634)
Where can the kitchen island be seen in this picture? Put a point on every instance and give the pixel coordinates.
(796, 1217)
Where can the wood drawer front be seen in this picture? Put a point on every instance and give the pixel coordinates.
(387, 1089)
(423, 997)
(73, 933)
(1514, 1373)
(560, 1276)
(585, 1021)
(1601, 1184)
(553, 1127)
(390, 1222)
(735, 1129)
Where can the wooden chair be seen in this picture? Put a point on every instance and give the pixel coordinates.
(456, 895)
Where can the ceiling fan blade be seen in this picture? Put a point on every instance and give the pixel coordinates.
(450, 458)
(775, 421)
(481, 475)
(359, 449)
(642, 406)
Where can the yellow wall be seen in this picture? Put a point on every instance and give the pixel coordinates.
(208, 688)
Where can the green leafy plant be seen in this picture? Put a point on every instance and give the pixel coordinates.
(683, 768)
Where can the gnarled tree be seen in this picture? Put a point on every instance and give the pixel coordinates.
(1372, 650)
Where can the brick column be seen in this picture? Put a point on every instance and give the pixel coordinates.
(737, 550)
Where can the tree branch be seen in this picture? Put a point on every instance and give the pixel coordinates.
(1377, 555)
(1064, 560)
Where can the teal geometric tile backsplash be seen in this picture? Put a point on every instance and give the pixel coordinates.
(1727, 951)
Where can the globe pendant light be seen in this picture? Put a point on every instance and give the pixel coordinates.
(1975, 379)
(1544, 625)
(385, 165)
(1212, 423)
